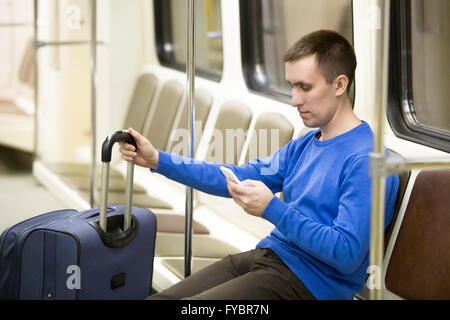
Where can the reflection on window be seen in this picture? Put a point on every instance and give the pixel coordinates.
(430, 65)
(277, 25)
(171, 26)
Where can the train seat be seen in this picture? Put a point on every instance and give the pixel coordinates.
(174, 223)
(209, 245)
(265, 123)
(227, 140)
(163, 113)
(17, 113)
(417, 241)
(269, 126)
(203, 104)
(161, 121)
(418, 266)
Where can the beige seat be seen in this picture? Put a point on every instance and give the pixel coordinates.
(268, 126)
(232, 115)
(163, 114)
(265, 124)
(203, 103)
(229, 135)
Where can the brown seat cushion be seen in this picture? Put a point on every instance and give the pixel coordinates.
(419, 267)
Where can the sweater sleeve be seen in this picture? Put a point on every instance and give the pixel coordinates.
(207, 177)
(342, 245)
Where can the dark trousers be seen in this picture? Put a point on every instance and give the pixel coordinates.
(254, 275)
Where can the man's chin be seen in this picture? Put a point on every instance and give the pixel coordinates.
(309, 124)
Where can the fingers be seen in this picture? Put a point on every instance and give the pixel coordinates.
(128, 151)
(237, 189)
(136, 135)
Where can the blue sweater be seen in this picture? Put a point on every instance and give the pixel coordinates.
(322, 228)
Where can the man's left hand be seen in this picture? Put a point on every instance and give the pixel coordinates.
(253, 196)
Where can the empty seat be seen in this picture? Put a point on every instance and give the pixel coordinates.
(203, 103)
(141, 101)
(419, 264)
(229, 135)
(163, 116)
(269, 126)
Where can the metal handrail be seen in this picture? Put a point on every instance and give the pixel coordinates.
(93, 44)
(379, 37)
(16, 24)
(385, 165)
(39, 44)
(190, 105)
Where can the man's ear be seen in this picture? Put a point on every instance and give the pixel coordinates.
(341, 84)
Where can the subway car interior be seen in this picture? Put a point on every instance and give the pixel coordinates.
(74, 71)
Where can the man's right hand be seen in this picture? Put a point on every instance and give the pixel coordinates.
(146, 156)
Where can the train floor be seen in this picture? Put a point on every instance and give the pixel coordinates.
(21, 196)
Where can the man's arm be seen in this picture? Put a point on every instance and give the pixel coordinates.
(201, 175)
(207, 177)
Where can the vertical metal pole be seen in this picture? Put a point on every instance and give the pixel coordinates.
(190, 66)
(128, 196)
(104, 196)
(93, 99)
(380, 49)
(36, 79)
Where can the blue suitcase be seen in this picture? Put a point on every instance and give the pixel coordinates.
(101, 253)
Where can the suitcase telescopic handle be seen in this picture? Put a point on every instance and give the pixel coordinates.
(121, 135)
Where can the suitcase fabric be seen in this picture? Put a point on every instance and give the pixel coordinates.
(66, 255)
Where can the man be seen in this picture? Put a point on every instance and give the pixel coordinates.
(319, 248)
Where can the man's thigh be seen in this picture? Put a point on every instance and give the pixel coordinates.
(211, 276)
(262, 283)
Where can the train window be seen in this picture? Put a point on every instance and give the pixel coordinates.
(270, 27)
(171, 35)
(419, 87)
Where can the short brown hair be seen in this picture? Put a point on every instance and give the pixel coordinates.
(335, 56)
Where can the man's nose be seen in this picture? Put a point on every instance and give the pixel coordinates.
(297, 98)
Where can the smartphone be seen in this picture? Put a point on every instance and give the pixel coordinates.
(229, 174)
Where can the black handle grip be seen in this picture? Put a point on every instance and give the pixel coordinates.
(121, 135)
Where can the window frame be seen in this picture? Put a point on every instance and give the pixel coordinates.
(400, 92)
(163, 36)
(252, 52)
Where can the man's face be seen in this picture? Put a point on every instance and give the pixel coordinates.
(314, 99)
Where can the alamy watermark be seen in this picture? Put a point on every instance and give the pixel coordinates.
(375, 277)
(227, 147)
(74, 279)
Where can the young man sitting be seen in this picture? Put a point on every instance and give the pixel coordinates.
(319, 248)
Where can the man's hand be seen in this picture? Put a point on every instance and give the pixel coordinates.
(253, 196)
(146, 156)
